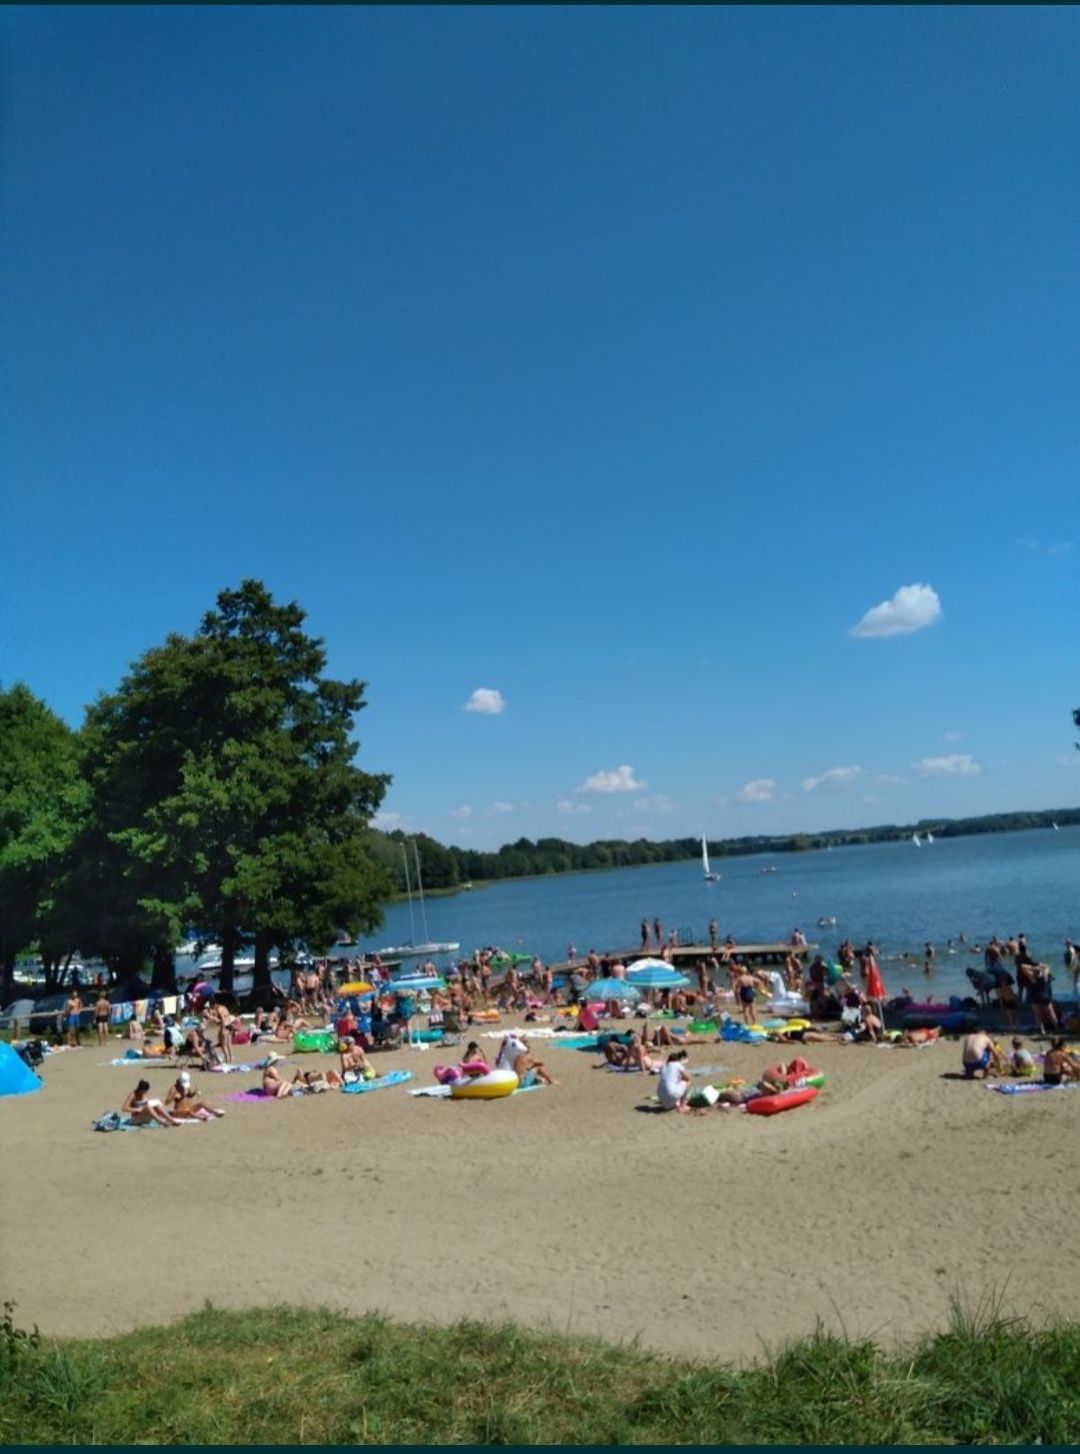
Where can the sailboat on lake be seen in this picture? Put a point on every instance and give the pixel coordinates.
(428, 948)
(916, 840)
(707, 873)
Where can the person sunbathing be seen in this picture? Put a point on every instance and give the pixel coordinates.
(514, 1055)
(1059, 1064)
(143, 1110)
(634, 1056)
(676, 1035)
(312, 1082)
(980, 1054)
(185, 1105)
(273, 1082)
(353, 1061)
(768, 1085)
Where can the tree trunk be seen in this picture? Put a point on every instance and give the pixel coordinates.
(261, 982)
(228, 956)
(164, 975)
(7, 978)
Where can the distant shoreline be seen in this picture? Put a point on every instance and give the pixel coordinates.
(943, 828)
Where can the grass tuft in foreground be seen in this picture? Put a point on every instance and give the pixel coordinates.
(290, 1376)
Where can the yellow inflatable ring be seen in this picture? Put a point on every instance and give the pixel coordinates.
(485, 1087)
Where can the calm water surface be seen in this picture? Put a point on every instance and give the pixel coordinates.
(898, 894)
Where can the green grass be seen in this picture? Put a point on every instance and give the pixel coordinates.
(289, 1376)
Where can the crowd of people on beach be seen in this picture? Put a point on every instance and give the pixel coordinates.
(842, 1000)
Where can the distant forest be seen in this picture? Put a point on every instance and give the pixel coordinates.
(446, 867)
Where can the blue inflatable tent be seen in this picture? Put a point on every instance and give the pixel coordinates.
(16, 1077)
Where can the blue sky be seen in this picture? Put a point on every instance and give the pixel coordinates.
(617, 362)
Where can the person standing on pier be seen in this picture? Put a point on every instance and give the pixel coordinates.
(714, 935)
(658, 933)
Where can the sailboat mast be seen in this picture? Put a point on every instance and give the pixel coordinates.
(420, 890)
(408, 890)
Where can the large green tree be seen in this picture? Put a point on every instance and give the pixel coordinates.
(223, 769)
(42, 803)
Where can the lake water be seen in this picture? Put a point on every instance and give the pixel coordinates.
(897, 894)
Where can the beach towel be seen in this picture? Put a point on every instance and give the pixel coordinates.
(392, 1077)
(230, 1069)
(576, 1042)
(1030, 1088)
(114, 1121)
(256, 1094)
(133, 1060)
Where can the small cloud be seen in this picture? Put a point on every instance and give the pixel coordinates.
(954, 737)
(386, 821)
(1063, 547)
(463, 812)
(1068, 759)
(889, 779)
(957, 764)
(486, 700)
(622, 780)
(502, 807)
(658, 803)
(911, 609)
(758, 790)
(566, 808)
(834, 778)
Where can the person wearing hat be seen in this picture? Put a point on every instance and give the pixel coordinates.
(274, 1083)
(185, 1105)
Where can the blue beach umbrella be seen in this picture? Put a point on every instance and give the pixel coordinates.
(612, 989)
(656, 975)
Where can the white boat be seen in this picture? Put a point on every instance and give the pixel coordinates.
(916, 840)
(707, 873)
(827, 922)
(1055, 827)
(415, 951)
(929, 838)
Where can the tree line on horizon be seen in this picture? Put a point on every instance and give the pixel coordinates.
(445, 866)
(213, 790)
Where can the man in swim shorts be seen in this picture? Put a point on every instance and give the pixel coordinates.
(980, 1055)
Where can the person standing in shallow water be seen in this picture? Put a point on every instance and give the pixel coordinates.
(644, 933)
(714, 935)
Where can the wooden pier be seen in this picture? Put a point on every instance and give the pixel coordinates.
(689, 956)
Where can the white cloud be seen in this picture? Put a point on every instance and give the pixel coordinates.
(502, 807)
(622, 780)
(834, 777)
(658, 803)
(463, 812)
(758, 790)
(889, 779)
(566, 808)
(1068, 759)
(954, 737)
(386, 821)
(486, 700)
(912, 608)
(957, 764)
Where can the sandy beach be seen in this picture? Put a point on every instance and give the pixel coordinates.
(568, 1208)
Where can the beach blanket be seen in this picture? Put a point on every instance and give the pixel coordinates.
(230, 1069)
(114, 1121)
(442, 1092)
(1031, 1087)
(576, 1042)
(392, 1077)
(256, 1094)
(131, 1060)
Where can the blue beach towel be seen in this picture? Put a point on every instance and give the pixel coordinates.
(392, 1077)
